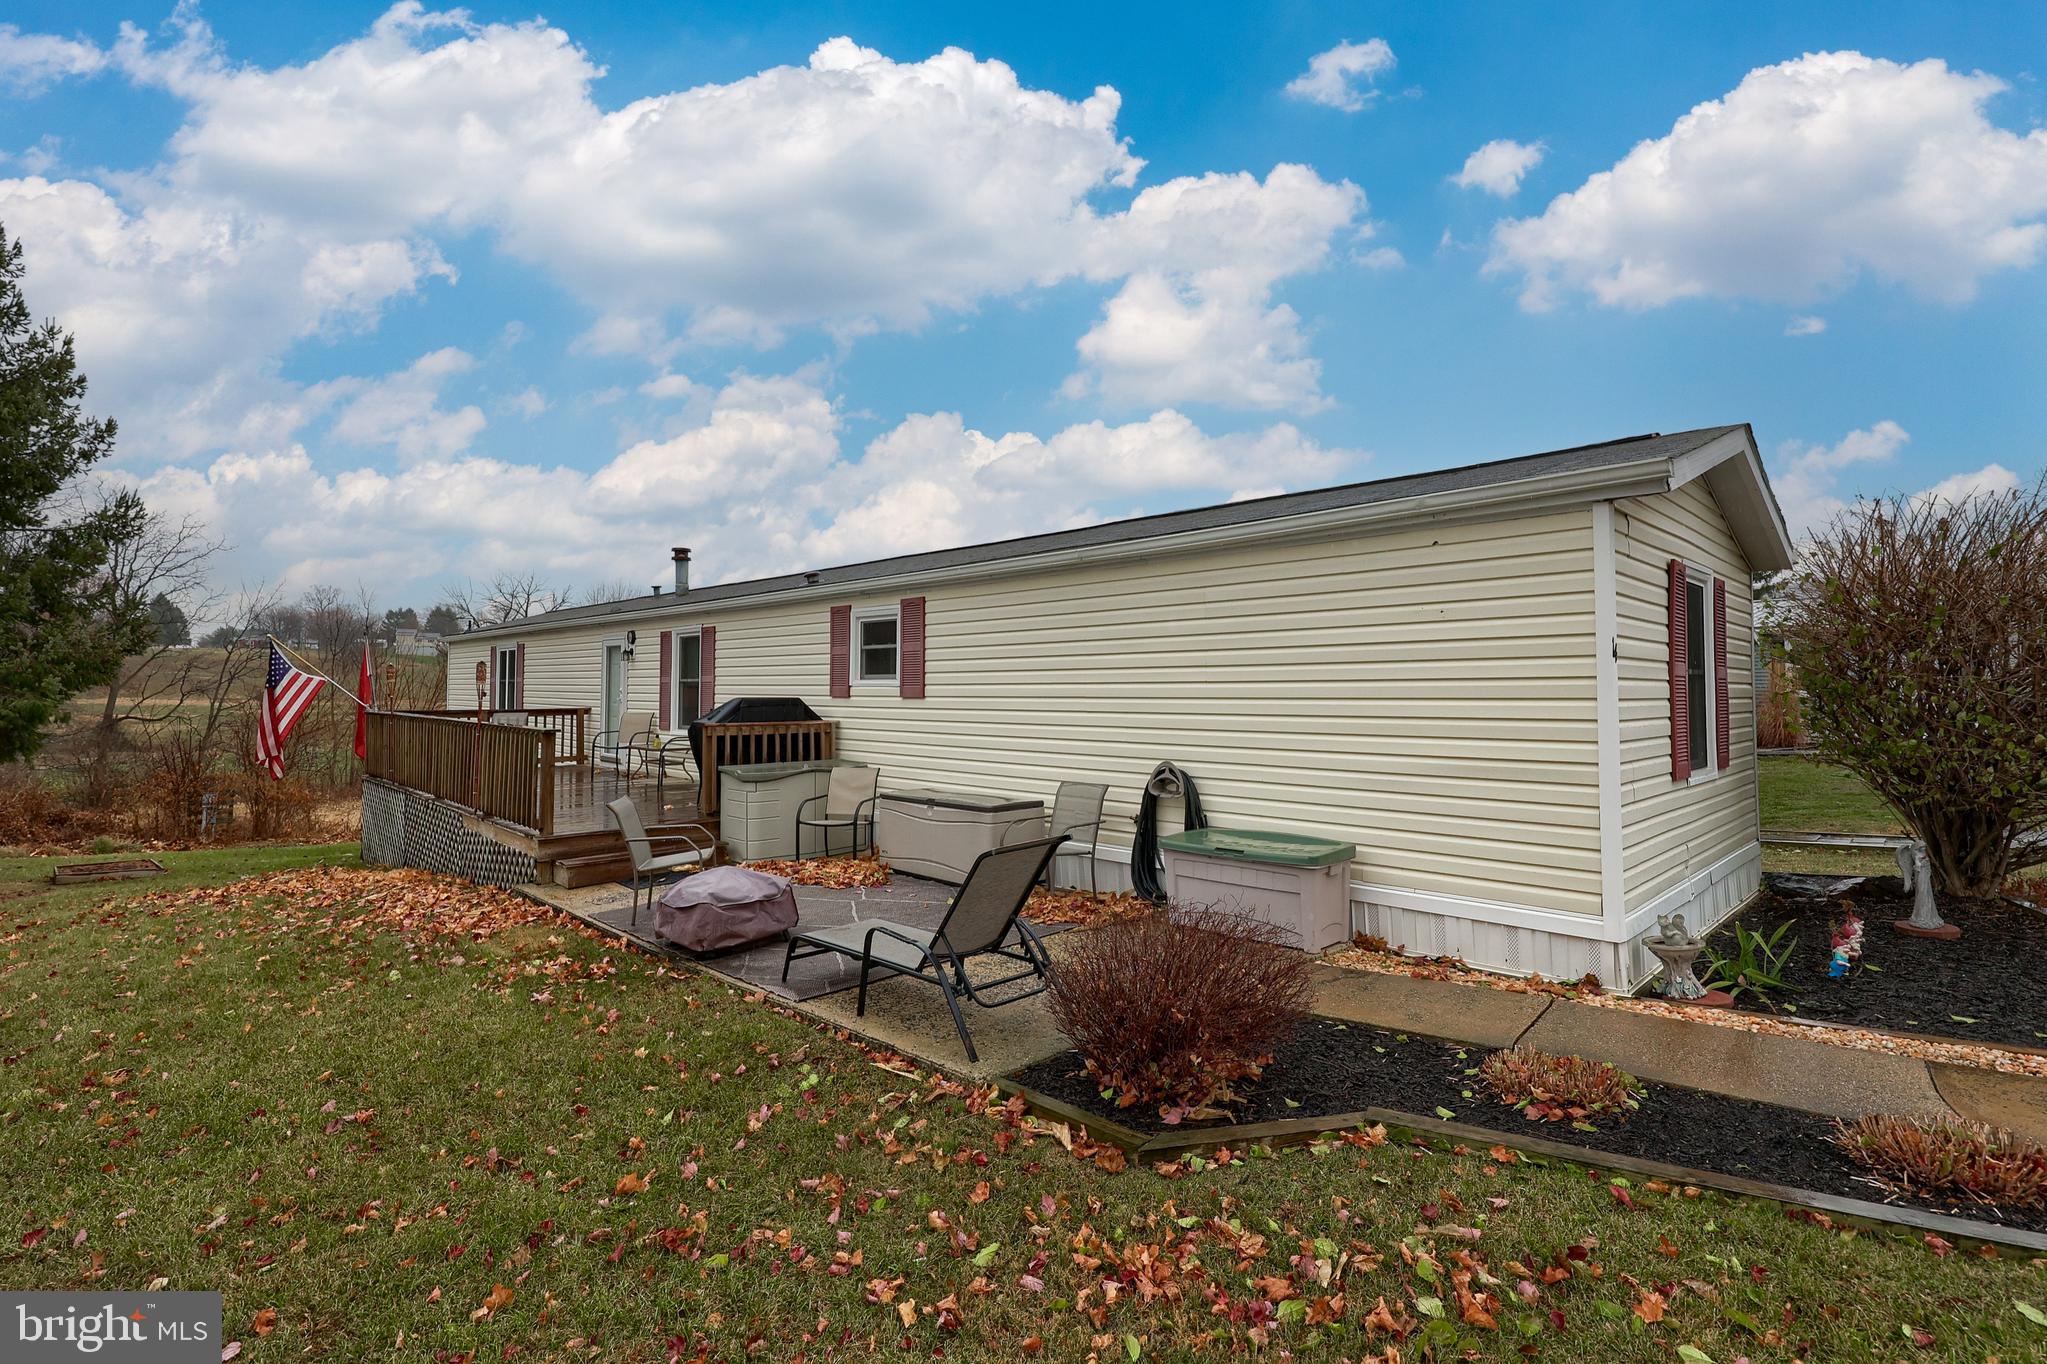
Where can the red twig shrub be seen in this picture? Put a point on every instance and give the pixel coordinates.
(1949, 1158)
(1552, 1088)
(1177, 1007)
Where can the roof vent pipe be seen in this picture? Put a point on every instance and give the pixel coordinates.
(681, 557)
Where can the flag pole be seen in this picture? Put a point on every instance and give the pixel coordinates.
(302, 666)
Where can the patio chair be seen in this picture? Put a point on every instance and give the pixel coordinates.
(1077, 816)
(627, 744)
(984, 919)
(848, 804)
(640, 847)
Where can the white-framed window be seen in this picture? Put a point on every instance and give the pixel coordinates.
(505, 686)
(877, 646)
(689, 678)
(1702, 683)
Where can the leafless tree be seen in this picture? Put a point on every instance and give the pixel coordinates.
(507, 597)
(617, 589)
(170, 557)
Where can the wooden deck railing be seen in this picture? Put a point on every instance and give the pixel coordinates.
(570, 725)
(776, 741)
(503, 771)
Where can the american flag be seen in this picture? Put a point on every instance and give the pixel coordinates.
(286, 694)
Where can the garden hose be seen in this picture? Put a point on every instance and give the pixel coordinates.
(1147, 868)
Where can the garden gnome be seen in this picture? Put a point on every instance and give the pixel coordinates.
(1847, 945)
(1925, 921)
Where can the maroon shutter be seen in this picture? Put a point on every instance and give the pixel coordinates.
(667, 679)
(910, 666)
(842, 651)
(707, 669)
(519, 678)
(490, 679)
(1680, 702)
(1723, 738)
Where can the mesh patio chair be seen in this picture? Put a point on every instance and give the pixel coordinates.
(1077, 816)
(628, 744)
(984, 919)
(640, 847)
(848, 804)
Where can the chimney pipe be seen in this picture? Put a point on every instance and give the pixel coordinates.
(681, 557)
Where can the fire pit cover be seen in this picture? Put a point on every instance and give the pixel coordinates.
(725, 907)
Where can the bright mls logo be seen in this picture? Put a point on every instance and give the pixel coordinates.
(164, 1328)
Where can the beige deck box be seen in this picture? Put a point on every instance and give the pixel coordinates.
(757, 807)
(1301, 884)
(939, 833)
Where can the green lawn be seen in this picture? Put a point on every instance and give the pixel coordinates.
(1810, 796)
(386, 1145)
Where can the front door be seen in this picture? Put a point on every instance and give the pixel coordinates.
(614, 688)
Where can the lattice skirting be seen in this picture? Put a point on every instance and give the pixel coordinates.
(402, 828)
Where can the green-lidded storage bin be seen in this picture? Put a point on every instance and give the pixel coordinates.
(1297, 881)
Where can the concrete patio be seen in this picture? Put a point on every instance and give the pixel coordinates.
(910, 1018)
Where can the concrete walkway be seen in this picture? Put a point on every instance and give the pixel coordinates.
(1814, 1077)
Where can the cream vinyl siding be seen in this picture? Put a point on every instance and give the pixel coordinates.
(463, 656)
(1426, 694)
(1671, 831)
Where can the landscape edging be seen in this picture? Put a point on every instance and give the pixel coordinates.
(1298, 1131)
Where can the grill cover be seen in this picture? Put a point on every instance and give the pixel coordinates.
(745, 710)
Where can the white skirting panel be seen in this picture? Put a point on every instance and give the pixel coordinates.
(1554, 946)
(1706, 900)
(1515, 940)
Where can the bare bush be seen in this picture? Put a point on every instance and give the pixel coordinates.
(1919, 627)
(1179, 1006)
(1549, 1088)
(1948, 1158)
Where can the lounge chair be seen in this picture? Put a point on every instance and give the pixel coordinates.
(640, 846)
(848, 804)
(982, 920)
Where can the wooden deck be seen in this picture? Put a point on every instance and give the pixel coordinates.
(586, 847)
(582, 792)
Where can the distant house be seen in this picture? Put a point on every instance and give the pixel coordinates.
(1523, 688)
(421, 643)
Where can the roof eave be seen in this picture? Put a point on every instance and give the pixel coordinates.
(1734, 473)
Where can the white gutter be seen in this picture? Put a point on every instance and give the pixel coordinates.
(1641, 478)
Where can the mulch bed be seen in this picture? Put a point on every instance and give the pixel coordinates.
(1329, 1067)
(1983, 987)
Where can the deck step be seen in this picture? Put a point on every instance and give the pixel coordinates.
(592, 869)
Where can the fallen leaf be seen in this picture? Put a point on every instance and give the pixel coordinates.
(1651, 1308)
(265, 1322)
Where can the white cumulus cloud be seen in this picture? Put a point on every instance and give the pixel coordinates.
(760, 484)
(1805, 324)
(1342, 76)
(1806, 176)
(1499, 166)
(848, 194)
(32, 62)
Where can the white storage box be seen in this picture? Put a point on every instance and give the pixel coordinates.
(939, 833)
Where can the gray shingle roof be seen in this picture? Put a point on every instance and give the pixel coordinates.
(1575, 459)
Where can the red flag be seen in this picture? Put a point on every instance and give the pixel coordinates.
(362, 706)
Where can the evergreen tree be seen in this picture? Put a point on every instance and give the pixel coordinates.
(168, 620)
(60, 630)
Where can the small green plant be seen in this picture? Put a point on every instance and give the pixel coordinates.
(1947, 1157)
(1548, 1088)
(105, 844)
(1758, 966)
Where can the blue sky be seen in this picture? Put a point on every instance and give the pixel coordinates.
(397, 298)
